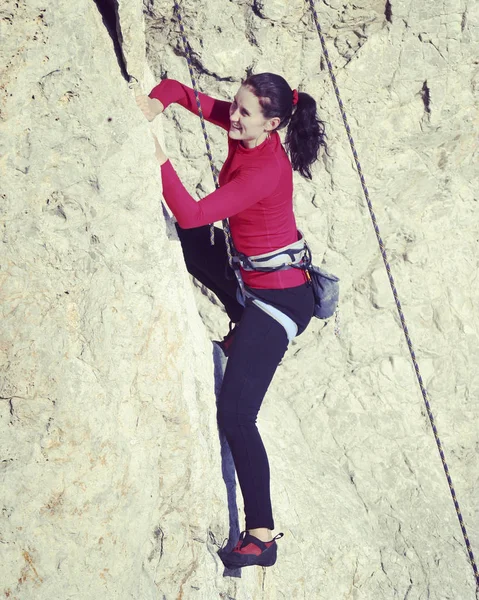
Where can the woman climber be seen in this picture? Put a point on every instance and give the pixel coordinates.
(256, 195)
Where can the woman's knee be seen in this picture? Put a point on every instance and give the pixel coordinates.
(226, 420)
(231, 422)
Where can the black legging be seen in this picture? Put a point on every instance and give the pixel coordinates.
(258, 347)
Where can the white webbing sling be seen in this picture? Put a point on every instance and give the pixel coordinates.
(286, 322)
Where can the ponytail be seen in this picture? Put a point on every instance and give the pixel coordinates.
(305, 134)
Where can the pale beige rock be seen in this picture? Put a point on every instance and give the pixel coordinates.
(111, 473)
(131, 27)
(98, 405)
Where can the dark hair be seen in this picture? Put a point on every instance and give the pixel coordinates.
(305, 134)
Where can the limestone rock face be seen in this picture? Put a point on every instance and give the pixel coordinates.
(107, 405)
(111, 466)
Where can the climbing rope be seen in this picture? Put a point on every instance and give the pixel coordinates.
(226, 226)
(396, 298)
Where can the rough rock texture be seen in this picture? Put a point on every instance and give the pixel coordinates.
(111, 467)
(107, 420)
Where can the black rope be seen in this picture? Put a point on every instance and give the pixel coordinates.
(396, 298)
(226, 228)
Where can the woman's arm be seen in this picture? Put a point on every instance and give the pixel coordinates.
(247, 188)
(214, 111)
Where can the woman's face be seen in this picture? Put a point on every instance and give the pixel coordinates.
(247, 122)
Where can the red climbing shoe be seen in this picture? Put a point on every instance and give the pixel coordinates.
(250, 551)
(227, 341)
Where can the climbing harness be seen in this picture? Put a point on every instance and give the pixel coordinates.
(278, 260)
(298, 256)
(396, 298)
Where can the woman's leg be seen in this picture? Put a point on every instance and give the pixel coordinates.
(209, 265)
(260, 344)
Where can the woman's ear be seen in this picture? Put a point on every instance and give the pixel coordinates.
(272, 124)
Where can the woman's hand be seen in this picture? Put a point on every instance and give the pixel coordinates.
(150, 107)
(160, 155)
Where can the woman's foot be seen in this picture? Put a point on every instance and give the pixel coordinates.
(251, 551)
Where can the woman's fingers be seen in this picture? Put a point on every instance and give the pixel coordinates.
(150, 107)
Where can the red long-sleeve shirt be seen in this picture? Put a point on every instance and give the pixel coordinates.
(255, 193)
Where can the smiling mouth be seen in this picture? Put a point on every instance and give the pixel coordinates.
(235, 127)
